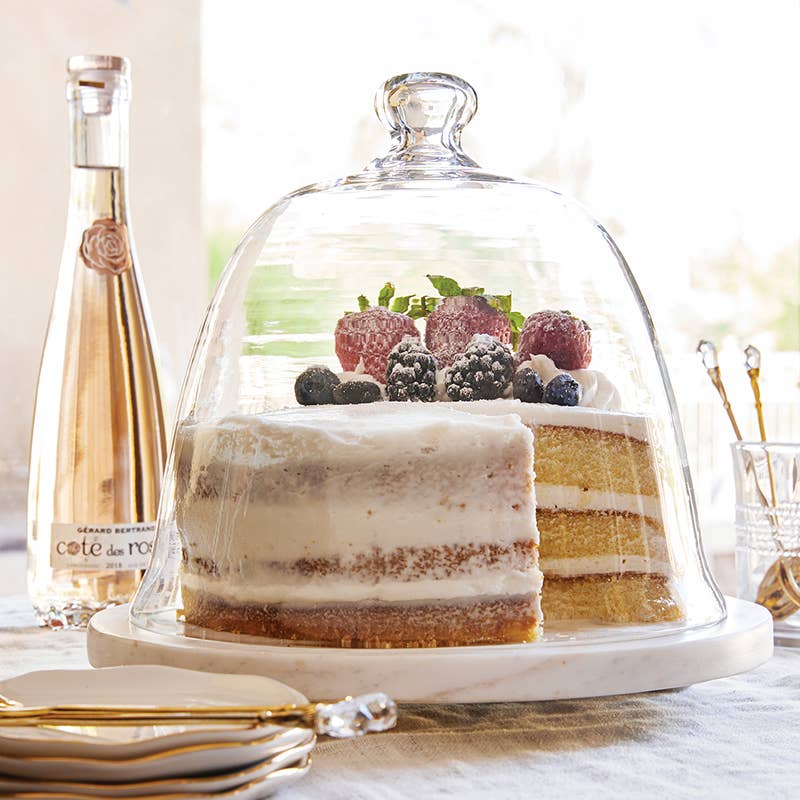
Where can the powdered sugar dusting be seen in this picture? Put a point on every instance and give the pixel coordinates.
(369, 337)
(451, 326)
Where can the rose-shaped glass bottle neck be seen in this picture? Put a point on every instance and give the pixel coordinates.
(425, 112)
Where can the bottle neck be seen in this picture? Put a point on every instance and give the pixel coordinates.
(99, 131)
(98, 193)
(99, 152)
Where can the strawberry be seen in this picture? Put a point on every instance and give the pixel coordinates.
(560, 336)
(371, 333)
(460, 314)
(453, 323)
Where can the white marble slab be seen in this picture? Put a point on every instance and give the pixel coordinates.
(538, 671)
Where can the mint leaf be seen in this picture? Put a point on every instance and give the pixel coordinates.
(446, 287)
(363, 303)
(517, 320)
(502, 302)
(401, 304)
(422, 306)
(385, 295)
(472, 291)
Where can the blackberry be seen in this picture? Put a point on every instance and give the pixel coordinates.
(528, 386)
(314, 386)
(482, 372)
(353, 392)
(563, 390)
(411, 372)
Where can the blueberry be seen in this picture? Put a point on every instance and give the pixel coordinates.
(315, 386)
(528, 386)
(563, 390)
(356, 392)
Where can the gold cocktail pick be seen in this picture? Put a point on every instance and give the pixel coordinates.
(352, 716)
(779, 590)
(708, 354)
(752, 361)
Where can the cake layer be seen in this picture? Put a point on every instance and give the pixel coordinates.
(585, 534)
(597, 460)
(629, 598)
(601, 451)
(399, 563)
(458, 622)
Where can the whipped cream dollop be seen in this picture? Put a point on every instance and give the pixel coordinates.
(597, 390)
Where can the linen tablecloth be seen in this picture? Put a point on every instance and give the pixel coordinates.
(732, 738)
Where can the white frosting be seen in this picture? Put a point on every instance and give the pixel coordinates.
(346, 590)
(616, 564)
(391, 432)
(441, 394)
(325, 528)
(348, 421)
(574, 498)
(325, 481)
(597, 390)
(634, 425)
(544, 366)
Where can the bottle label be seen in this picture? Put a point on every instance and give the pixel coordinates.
(119, 546)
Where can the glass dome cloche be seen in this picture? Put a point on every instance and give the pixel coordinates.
(427, 407)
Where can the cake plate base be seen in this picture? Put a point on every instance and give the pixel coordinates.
(547, 670)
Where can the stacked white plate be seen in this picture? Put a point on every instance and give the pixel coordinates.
(181, 761)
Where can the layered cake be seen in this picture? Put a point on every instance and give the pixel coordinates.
(400, 502)
(603, 549)
(356, 525)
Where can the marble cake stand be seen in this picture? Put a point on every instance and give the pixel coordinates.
(542, 671)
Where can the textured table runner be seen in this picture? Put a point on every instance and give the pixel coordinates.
(731, 738)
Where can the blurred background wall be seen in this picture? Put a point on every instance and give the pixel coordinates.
(36, 37)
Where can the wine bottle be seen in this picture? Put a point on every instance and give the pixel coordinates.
(97, 450)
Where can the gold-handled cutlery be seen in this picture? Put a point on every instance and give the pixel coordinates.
(778, 591)
(708, 354)
(352, 716)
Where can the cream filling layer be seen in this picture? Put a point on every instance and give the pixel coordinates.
(574, 498)
(603, 565)
(327, 527)
(343, 590)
